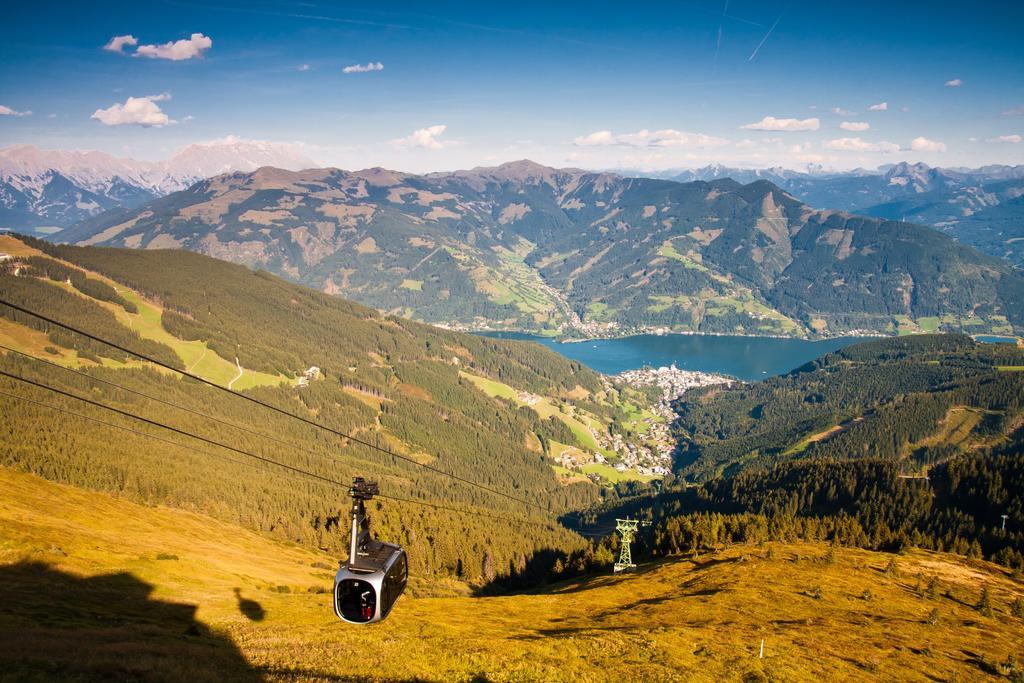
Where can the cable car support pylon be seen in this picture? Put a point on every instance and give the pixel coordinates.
(627, 528)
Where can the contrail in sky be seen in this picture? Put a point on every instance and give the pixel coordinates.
(754, 53)
(727, 16)
(718, 43)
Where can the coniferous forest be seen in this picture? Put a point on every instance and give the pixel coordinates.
(886, 444)
(385, 381)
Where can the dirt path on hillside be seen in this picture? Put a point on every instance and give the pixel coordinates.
(238, 376)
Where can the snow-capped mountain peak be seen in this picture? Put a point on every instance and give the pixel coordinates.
(232, 154)
(27, 167)
(60, 187)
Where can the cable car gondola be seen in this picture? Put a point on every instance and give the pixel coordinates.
(367, 586)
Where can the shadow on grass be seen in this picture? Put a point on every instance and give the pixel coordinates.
(303, 674)
(54, 625)
(982, 663)
(570, 631)
(700, 565)
(536, 577)
(250, 609)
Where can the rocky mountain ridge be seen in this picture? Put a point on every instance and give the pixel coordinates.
(980, 207)
(524, 246)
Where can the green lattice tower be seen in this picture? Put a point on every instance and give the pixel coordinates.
(627, 529)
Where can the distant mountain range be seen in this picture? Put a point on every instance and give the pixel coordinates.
(524, 246)
(55, 189)
(982, 207)
(42, 191)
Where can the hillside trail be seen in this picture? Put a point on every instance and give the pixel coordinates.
(200, 360)
(239, 375)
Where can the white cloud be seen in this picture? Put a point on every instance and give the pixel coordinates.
(178, 50)
(861, 145)
(955, 83)
(305, 67)
(1016, 111)
(785, 125)
(136, 111)
(601, 137)
(839, 111)
(597, 138)
(855, 126)
(425, 138)
(667, 137)
(7, 111)
(746, 144)
(881, 106)
(921, 144)
(117, 43)
(363, 68)
(1007, 138)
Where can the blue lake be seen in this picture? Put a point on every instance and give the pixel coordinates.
(748, 358)
(993, 339)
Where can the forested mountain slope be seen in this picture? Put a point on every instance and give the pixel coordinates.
(790, 532)
(914, 401)
(530, 247)
(972, 505)
(980, 207)
(886, 445)
(997, 230)
(394, 383)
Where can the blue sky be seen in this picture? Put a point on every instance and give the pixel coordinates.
(597, 85)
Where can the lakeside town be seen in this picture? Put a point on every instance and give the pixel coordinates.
(578, 330)
(673, 383)
(653, 457)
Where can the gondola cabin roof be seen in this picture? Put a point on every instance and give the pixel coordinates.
(374, 556)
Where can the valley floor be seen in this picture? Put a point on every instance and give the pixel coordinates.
(98, 587)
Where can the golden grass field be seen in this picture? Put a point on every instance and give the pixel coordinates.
(98, 587)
